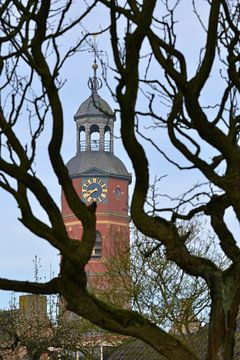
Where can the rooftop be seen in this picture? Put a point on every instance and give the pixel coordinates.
(104, 163)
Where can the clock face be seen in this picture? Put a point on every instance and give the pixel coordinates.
(94, 189)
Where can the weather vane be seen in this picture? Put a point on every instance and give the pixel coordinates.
(94, 83)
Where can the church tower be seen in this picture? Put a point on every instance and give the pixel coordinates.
(98, 175)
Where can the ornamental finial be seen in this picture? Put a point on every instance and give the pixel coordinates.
(94, 83)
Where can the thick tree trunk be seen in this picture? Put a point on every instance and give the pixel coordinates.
(222, 328)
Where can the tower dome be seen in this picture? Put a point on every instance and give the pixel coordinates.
(94, 105)
(104, 163)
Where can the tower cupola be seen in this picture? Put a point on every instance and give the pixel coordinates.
(95, 136)
(94, 120)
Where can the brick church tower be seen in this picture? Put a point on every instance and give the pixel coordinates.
(98, 175)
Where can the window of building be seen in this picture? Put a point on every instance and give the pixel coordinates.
(94, 137)
(107, 139)
(97, 250)
(117, 193)
(82, 138)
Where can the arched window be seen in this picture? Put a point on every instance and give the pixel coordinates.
(94, 137)
(97, 250)
(107, 138)
(82, 138)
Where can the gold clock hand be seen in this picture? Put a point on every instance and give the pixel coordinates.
(90, 192)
